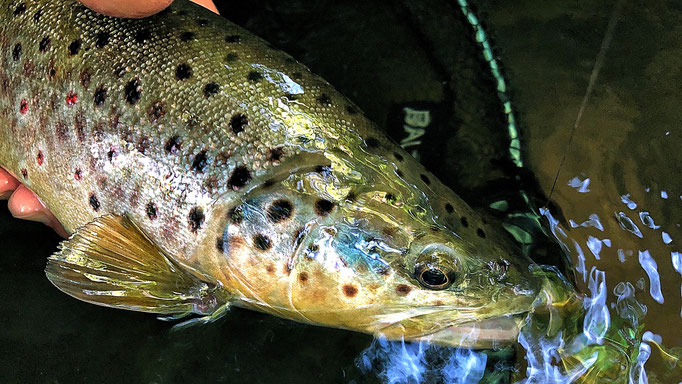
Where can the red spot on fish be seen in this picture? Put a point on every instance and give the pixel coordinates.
(23, 106)
(39, 158)
(24, 173)
(71, 98)
(78, 175)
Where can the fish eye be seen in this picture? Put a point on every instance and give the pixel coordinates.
(432, 270)
(434, 277)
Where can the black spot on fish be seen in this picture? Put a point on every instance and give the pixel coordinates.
(291, 97)
(324, 99)
(449, 208)
(24, 173)
(303, 277)
(398, 156)
(261, 242)
(37, 15)
(133, 91)
(151, 211)
(196, 219)
(78, 174)
(236, 215)
(464, 222)
(220, 244)
(94, 202)
(74, 47)
(480, 233)
(156, 111)
(102, 39)
(21, 8)
(211, 89)
(100, 96)
(372, 142)
(238, 122)
(44, 44)
(389, 197)
(233, 39)
(199, 163)
(16, 52)
(239, 178)
(280, 210)
(173, 145)
(275, 154)
(254, 76)
(323, 207)
(142, 36)
(40, 158)
(183, 72)
(187, 36)
(350, 197)
(425, 179)
(112, 154)
(350, 290)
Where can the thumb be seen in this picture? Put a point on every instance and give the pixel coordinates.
(137, 8)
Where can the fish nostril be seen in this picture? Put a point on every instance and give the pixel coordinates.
(499, 268)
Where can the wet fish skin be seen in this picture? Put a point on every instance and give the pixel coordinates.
(247, 171)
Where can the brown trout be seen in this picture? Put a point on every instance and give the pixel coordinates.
(198, 168)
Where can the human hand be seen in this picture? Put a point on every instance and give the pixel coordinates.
(137, 8)
(23, 203)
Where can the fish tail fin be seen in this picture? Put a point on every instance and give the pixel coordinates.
(111, 262)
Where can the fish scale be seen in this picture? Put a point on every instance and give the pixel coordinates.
(164, 144)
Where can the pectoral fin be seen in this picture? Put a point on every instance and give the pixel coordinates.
(111, 262)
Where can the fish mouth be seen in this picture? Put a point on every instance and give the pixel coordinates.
(469, 328)
(484, 334)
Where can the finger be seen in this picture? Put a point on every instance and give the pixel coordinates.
(7, 184)
(208, 4)
(127, 8)
(24, 204)
(137, 8)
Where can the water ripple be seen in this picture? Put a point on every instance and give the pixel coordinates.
(651, 269)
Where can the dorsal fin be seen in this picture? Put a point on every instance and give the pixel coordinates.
(111, 262)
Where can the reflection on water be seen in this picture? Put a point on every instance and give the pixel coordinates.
(421, 362)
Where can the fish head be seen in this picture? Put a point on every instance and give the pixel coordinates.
(406, 277)
(376, 256)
